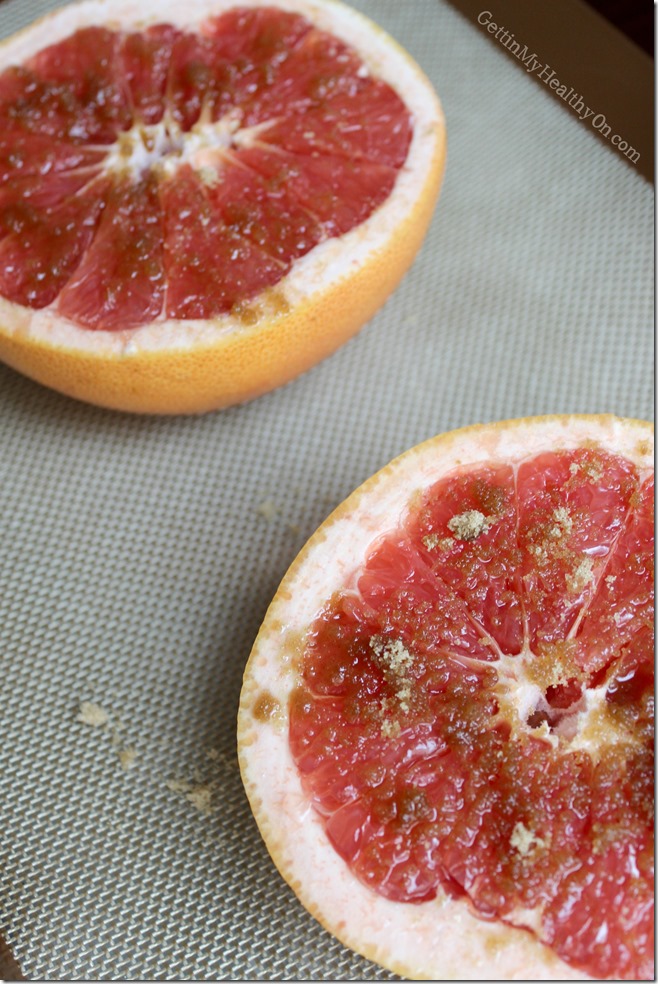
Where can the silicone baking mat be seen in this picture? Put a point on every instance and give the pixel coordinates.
(138, 555)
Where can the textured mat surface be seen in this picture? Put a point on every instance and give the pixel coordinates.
(138, 556)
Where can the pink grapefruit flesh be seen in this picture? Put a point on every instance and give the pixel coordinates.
(310, 144)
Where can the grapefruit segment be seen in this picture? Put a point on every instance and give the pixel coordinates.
(64, 189)
(339, 126)
(268, 215)
(305, 126)
(571, 509)
(256, 44)
(466, 529)
(120, 282)
(43, 246)
(404, 597)
(316, 67)
(146, 58)
(210, 267)
(31, 105)
(84, 74)
(466, 770)
(198, 81)
(41, 158)
(622, 607)
(339, 193)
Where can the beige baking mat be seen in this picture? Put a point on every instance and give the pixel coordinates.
(137, 556)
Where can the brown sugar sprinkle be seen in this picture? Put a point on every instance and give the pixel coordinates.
(199, 795)
(434, 540)
(95, 716)
(127, 757)
(591, 469)
(525, 841)
(92, 714)
(395, 660)
(390, 729)
(208, 176)
(392, 653)
(469, 525)
(550, 540)
(268, 510)
(563, 524)
(554, 663)
(246, 312)
(201, 798)
(581, 576)
(491, 498)
(606, 834)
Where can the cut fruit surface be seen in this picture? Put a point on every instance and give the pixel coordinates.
(200, 201)
(446, 723)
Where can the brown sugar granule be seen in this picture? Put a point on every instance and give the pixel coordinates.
(268, 510)
(591, 469)
(469, 525)
(563, 524)
(525, 841)
(128, 757)
(581, 576)
(396, 660)
(201, 798)
(95, 716)
(208, 176)
(390, 729)
(555, 663)
(392, 653)
(199, 795)
(433, 540)
(92, 714)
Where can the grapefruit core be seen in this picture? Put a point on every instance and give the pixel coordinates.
(200, 200)
(446, 723)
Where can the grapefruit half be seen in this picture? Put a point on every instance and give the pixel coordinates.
(200, 200)
(446, 723)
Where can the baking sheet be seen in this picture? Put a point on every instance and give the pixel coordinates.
(138, 555)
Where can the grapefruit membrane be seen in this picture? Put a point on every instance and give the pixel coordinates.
(446, 722)
(200, 200)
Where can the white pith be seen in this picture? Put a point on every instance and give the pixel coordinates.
(575, 729)
(142, 147)
(164, 147)
(441, 939)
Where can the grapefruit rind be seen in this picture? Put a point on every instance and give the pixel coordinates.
(440, 939)
(188, 366)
